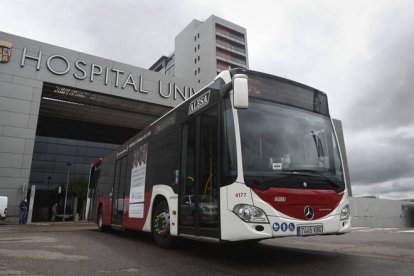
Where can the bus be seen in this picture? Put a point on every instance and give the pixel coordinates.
(249, 157)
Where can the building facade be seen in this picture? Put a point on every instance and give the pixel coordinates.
(60, 109)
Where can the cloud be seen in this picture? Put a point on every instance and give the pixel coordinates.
(384, 87)
(397, 189)
(377, 156)
(377, 119)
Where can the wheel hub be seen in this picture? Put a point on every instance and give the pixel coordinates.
(162, 223)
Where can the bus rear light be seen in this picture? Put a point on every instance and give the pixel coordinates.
(344, 213)
(249, 213)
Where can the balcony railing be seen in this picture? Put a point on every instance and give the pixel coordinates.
(229, 46)
(229, 56)
(223, 66)
(230, 35)
(232, 60)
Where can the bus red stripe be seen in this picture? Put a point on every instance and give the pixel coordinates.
(292, 202)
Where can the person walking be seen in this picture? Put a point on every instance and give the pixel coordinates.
(24, 207)
(54, 211)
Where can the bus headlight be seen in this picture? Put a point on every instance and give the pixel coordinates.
(344, 213)
(250, 213)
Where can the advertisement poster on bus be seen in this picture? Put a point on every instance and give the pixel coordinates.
(137, 191)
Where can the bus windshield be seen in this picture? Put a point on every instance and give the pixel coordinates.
(283, 146)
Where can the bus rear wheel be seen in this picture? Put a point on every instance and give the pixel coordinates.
(101, 226)
(161, 225)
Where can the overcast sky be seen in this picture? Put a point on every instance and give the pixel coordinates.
(361, 53)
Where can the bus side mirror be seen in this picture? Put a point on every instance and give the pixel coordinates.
(240, 91)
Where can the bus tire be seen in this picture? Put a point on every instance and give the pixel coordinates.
(160, 225)
(101, 226)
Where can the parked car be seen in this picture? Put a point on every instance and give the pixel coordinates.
(208, 210)
(3, 207)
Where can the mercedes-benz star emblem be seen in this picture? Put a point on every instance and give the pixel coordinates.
(308, 212)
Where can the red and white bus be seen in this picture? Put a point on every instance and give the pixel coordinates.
(249, 157)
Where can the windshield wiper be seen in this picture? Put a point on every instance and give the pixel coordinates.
(313, 173)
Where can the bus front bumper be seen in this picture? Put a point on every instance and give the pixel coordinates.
(235, 229)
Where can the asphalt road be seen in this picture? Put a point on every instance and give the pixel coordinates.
(78, 249)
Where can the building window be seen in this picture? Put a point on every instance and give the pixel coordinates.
(195, 38)
(198, 35)
(198, 81)
(199, 46)
(198, 69)
(195, 72)
(195, 49)
(195, 61)
(198, 58)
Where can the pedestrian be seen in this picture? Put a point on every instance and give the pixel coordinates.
(24, 207)
(54, 211)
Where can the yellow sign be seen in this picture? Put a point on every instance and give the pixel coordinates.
(5, 51)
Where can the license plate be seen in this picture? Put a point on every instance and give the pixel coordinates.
(310, 230)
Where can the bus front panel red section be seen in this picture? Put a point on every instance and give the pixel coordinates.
(292, 202)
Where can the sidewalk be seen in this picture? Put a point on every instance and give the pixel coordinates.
(46, 223)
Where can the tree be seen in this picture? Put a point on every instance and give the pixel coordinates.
(79, 187)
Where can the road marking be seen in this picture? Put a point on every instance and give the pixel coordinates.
(367, 229)
(31, 239)
(41, 255)
(406, 231)
(358, 228)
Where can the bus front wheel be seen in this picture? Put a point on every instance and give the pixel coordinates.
(161, 225)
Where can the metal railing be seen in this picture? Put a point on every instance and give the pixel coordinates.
(230, 35)
(231, 59)
(231, 47)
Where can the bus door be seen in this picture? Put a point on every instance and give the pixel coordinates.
(118, 194)
(199, 191)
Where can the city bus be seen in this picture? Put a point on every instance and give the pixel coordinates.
(249, 157)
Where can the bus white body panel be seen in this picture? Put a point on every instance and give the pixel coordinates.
(172, 200)
(234, 229)
(238, 193)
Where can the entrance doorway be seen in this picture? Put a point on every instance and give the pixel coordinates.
(199, 193)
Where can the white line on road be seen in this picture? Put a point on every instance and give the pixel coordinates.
(367, 229)
(406, 231)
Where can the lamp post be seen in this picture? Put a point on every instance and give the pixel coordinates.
(66, 192)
